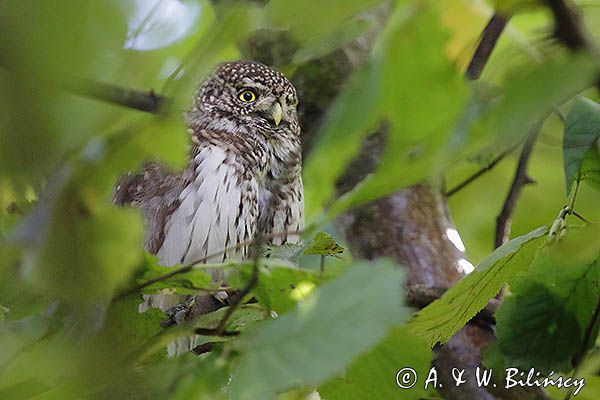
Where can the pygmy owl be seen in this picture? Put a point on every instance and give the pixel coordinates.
(244, 172)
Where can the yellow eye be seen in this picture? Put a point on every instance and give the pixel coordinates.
(247, 96)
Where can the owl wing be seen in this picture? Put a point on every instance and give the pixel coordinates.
(217, 209)
(288, 213)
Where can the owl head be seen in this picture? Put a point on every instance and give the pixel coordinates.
(247, 93)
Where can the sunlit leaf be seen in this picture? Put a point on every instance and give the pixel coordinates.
(279, 289)
(323, 334)
(325, 245)
(444, 317)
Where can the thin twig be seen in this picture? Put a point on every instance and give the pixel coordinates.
(570, 29)
(581, 217)
(255, 253)
(188, 268)
(503, 221)
(203, 348)
(135, 99)
(215, 332)
(489, 37)
(482, 171)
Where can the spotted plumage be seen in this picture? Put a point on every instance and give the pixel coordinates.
(243, 173)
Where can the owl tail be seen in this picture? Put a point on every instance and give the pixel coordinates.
(175, 307)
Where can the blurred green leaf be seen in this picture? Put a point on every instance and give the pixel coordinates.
(127, 328)
(349, 120)
(79, 246)
(185, 283)
(323, 334)
(531, 92)
(409, 54)
(3, 312)
(375, 370)
(343, 35)
(17, 335)
(306, 24)
(582, 132)
(280, 289)
(202, 378)
(444, 317)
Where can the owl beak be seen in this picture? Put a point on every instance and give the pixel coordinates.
(276, 112)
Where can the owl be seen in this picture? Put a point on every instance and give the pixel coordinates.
(243, 174)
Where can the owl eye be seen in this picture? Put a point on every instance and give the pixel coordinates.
(247, 96)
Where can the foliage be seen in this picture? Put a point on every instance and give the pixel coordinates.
(580, 149)
(73, 267)
(551, 306)
(445, 316)
(318, 338)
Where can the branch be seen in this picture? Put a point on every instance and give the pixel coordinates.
(219, 330)
(188, 268)
(479, 173)
(135, 99)
(503, 221)
(489, 37)
(420, 296)
(568, 27)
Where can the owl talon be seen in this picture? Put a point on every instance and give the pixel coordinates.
(176, 315)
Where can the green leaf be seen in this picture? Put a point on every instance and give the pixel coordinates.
(444, 317)
(320, 47)
(19, 334)
(550, 308)
(290, 252)
(325, 245)
(375, 371)
(243, 317)
(322, 244)
(409, 54)
(349, 120)
(306, 24)
(279, 289)
(529, 93)
(3, 312)
(582, 131)
(565, 275)
(590, 167)
(186, 283)
(310, 344)
(79, 247)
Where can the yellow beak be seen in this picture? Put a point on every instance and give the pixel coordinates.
(276, 112)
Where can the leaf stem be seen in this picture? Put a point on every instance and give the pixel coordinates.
(573, 196)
